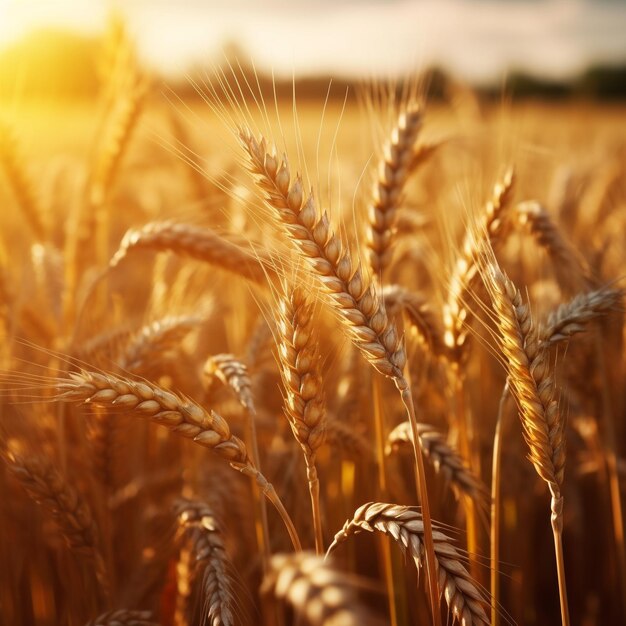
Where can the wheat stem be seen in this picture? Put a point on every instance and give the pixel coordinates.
(496, 466)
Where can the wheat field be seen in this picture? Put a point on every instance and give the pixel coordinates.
(239, 330)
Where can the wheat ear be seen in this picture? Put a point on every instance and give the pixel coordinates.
(397, 162)
(199, 533)
(405, 524)
(176, 412)
(127, 107)
(419, 314)
(343, 437)
(230, 371)
(493, 224)
(299, 361)
(445, 459)
(198, 243)
(73, 517)
(571, 318)
(318, 594)
(533, 387)
(571, 269)
(351, 293)
(152, 341)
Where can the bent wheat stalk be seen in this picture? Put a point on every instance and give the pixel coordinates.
(406, 526)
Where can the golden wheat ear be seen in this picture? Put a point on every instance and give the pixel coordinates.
(398, 161)
(45, 484)
(493, 226)
(203, 244)
(203, 566)
(305, 406)
(531, 381)
(444, 458)
(315, 591)
(466, 602)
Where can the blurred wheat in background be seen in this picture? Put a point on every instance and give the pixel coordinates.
(308, 351)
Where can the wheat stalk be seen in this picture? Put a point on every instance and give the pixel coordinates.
(405, 524)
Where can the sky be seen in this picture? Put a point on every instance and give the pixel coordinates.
(478, 40)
